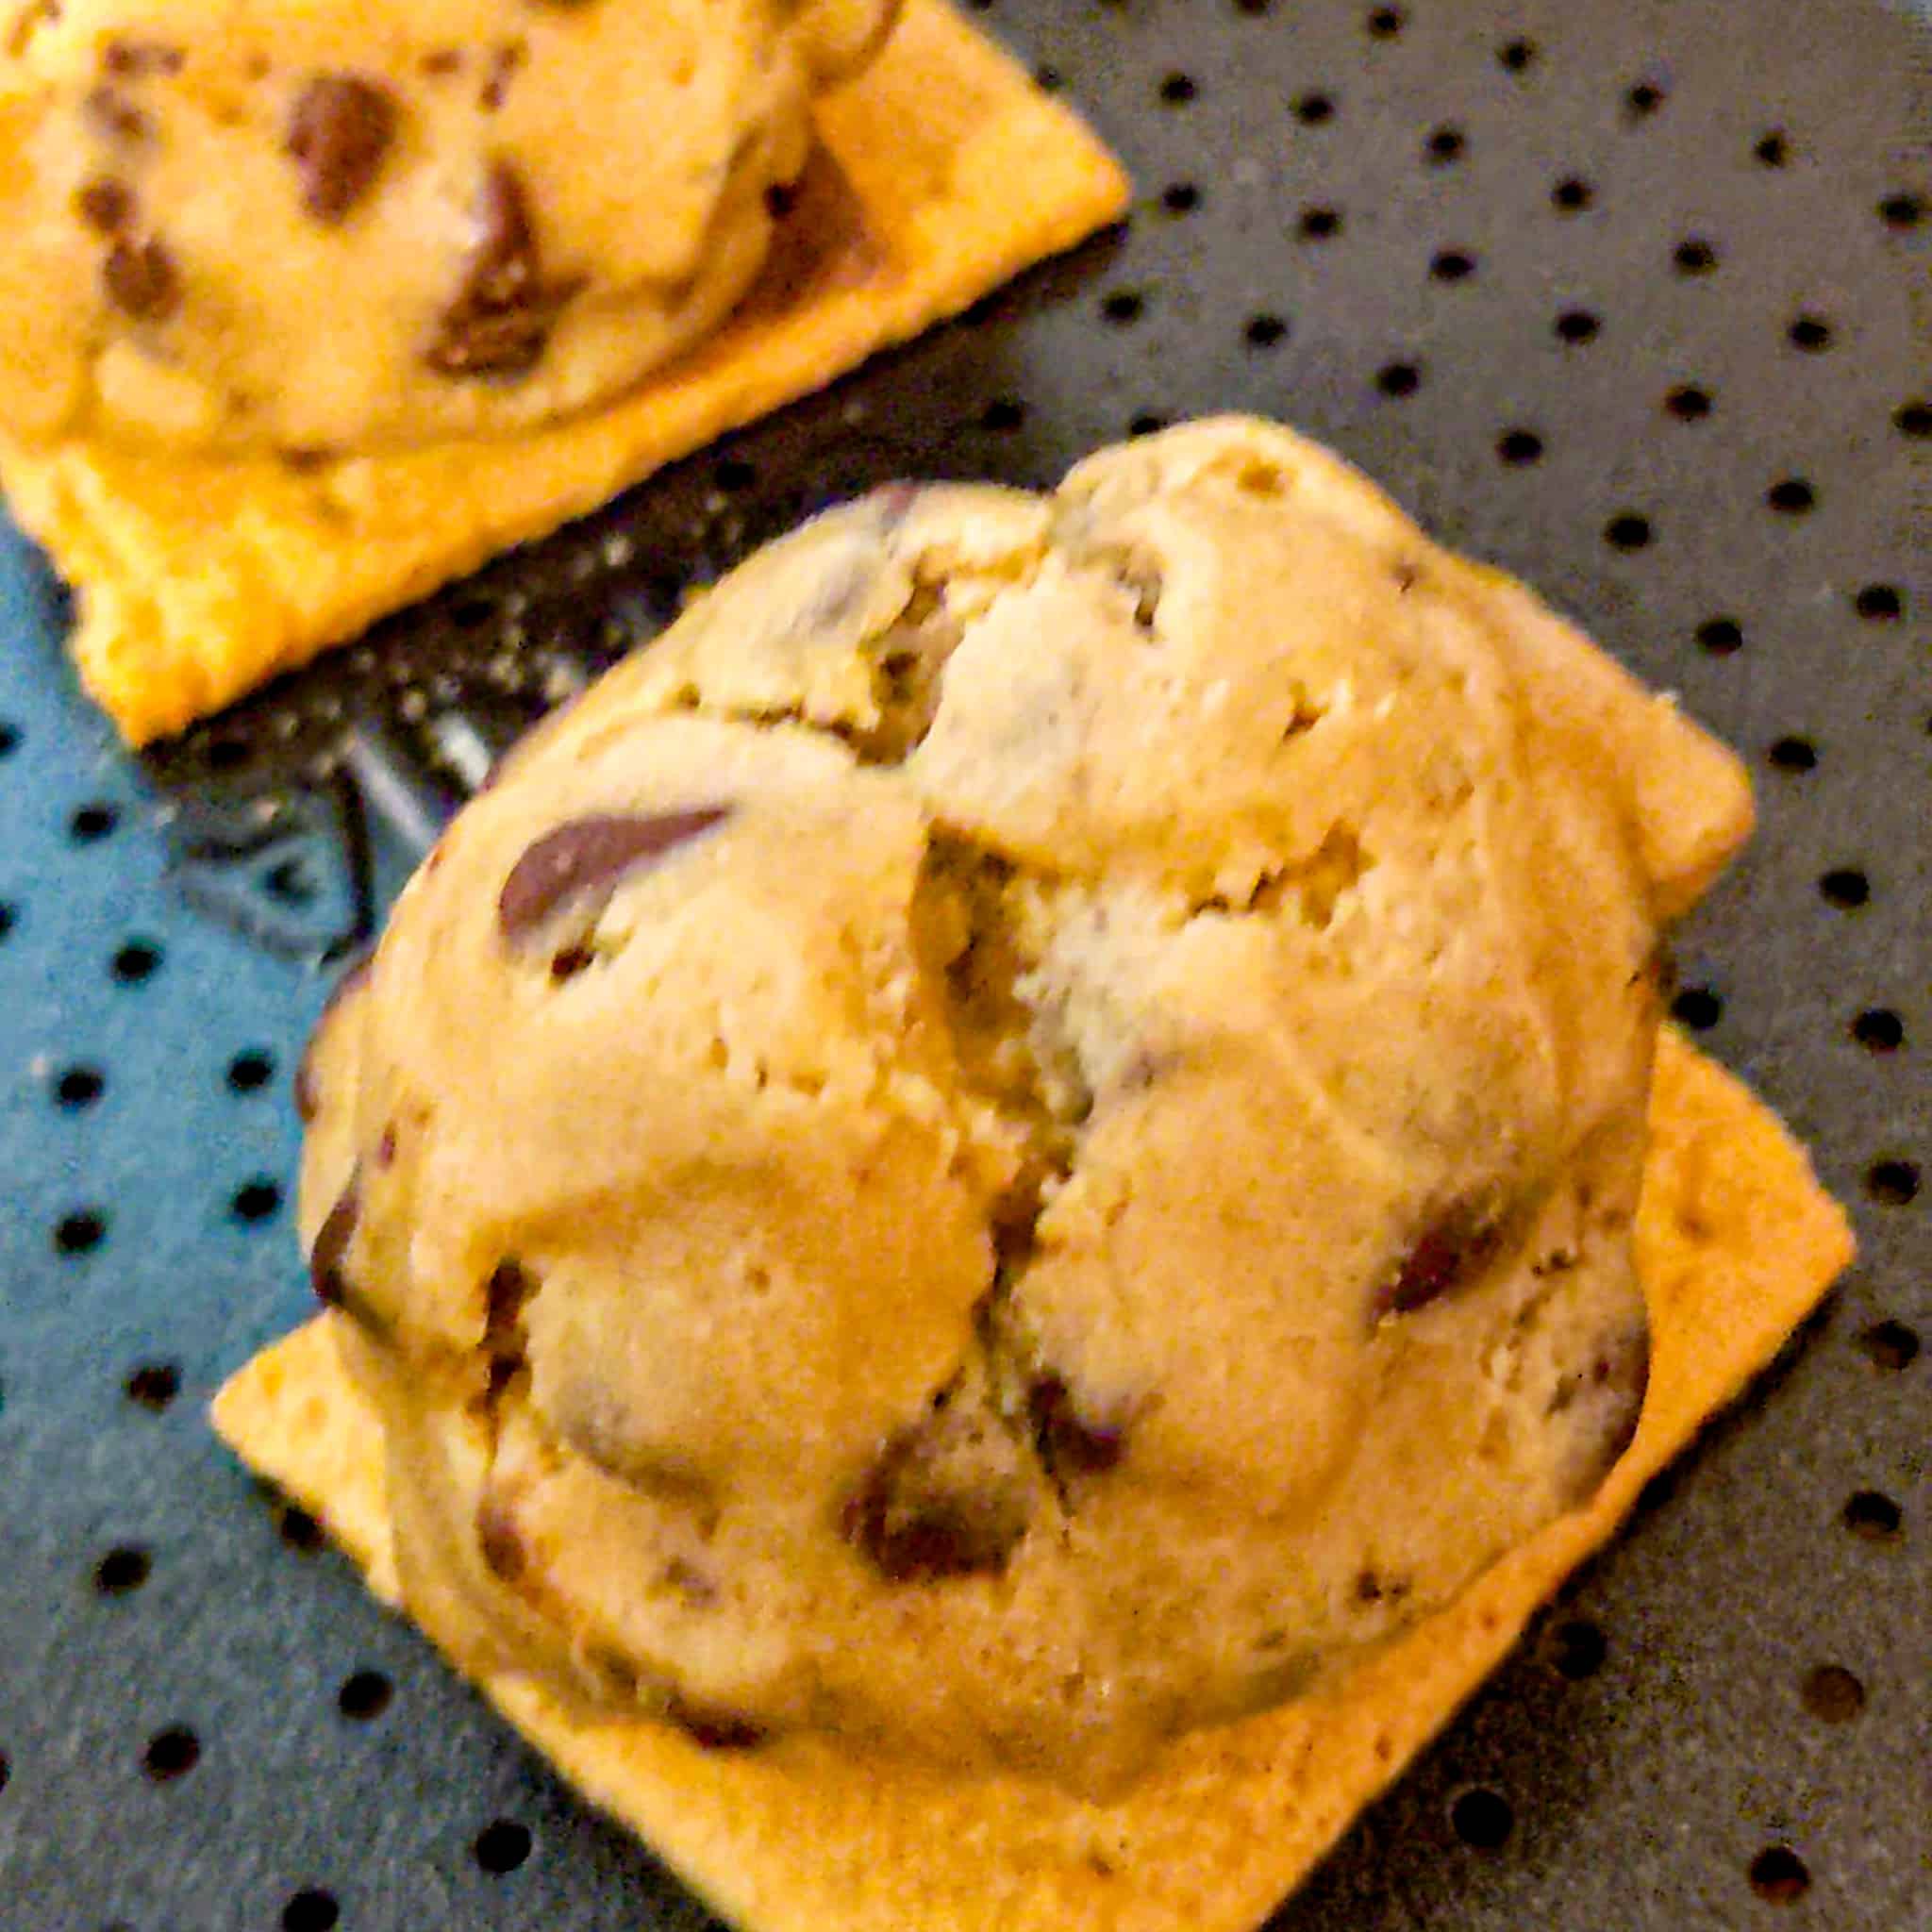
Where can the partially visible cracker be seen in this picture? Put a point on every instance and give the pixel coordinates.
(946, 172)
(1735, 1243)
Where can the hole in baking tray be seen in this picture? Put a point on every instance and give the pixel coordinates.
(1832, 1694)
(502, 1845)
(1879, 603)
(1571, 195)
(1790, 496)
(298, 1529)
(310, 1910)
(1320, 224)
(1577, 1649)
(1772, 149)
(1178, 90)
(1688, 403)
(1890, 1345)
(1721, 635)
(1892, 1183)
(734, 476)
(1699, 1007)
(1811, 333)
(1313, 110)
(251, 1070)
(1264, 331)
(9, 913)
(91, 823)
(1451, 265)
(1398, 378)
(1520, 446)
(471, 613)
(1779, 1873)
(1125, 306)
(1483, 1818)
(136, 962)
(79, 1087)
(1443, 146)
(227, 754)
(1793, 754)
(289, 882)
(1147, 424)
(1050, 80)
(1913, 419)
(1385, 22)
(1845, 886)
(1694, 256)
(1253, 7)
(1901, 210)
(364, 1696)
(1878, 1030)
(1517, 56)
(1577, 325)
(255, 1199)
(170, 1754)
(1628, 531)
(6, 1771)
(81, 1232)
(1873, 1515)
(9, 738)
(123, 1568)
(1002, 415)
(1181, 198)
(1646, 97)
(153, 1385)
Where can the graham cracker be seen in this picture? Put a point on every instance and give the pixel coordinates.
(1736, 1242)
(943, 170)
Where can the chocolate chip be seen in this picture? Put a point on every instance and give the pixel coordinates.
(339, 132)
(308, 1093)
(1444, 1256)
(781, 197)
(1607, 1395)
(588, 855)
(131, 59)
(140, 278)
(106, 204)
(442, 61)
(504, 63)
(713, 1727)
(110, 112)
(1071, 1443)
(913, 1526)
(500, 1542)
(502, 315)
(331, 1247)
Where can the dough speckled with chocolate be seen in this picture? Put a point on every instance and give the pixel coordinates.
(1023, 1135)
(313, 227)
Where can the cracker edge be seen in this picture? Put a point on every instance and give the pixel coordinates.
(199, 581)
(1736, 1244)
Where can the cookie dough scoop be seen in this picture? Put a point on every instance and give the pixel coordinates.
(1023, 1135)
(327, 228)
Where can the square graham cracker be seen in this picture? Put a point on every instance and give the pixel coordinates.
(1735, 1243)
(941, 172)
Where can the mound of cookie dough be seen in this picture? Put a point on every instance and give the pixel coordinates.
(1023, 1135)
(321, 227)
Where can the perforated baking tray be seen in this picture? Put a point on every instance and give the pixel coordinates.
(1631, 297)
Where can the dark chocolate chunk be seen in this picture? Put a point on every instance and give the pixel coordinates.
(1445, 1255)
(106, 204)
(341, 129)
(128, 60)
(591, 855)
(442, 61)
(713, 1727)
(308, 1094)
(1071, 1443)
(500, 1542)
(331, 1247)
(110, 112)
(502, 314)
(140, 279)
(914, 1525)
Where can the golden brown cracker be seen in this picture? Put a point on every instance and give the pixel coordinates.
(1735, 1243)
(946, 172)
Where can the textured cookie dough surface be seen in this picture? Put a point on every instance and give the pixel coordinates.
(1023, 1136)
(1735, 1244)
(333, 228)
(202, 576)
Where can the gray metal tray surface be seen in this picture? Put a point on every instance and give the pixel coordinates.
(1633, 299)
